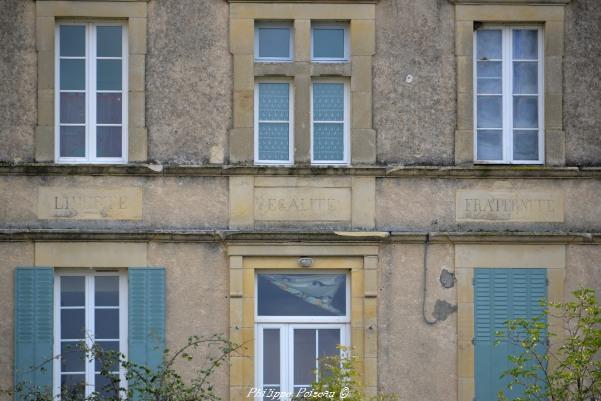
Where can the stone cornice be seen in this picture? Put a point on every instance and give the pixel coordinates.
(522, 2)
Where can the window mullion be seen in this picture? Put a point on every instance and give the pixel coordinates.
(508, 97)
(92, 93)
(89, 332)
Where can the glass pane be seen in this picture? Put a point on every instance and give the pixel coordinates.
(73, 108)
(72, 291)
(489, 69)
(304, 356)
(73, 74)
(109, 41)
(109, 75)
(73, 387)
(328, 102)
(73, 323)
(328, 141)
(72, 40)
(271, 392)
(109, 351)
(107, 323)
(490, 145)
(525, 112)
(489, 112)
(302, 294)
(108, 142)
(488, 44)
(525, 145)
(108, 108)
(525, 77)
(274, 102)
(273, 141)
(107, 386)
(489, 86)
(328, 43)
(73, 142)
(328, 341)
(274, 42)
(73, 357)
(106, 290)
(271, 356)
(525, 44)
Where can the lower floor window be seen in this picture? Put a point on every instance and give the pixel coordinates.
(90, 313)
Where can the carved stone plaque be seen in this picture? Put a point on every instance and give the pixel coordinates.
(113, 203)
(302, 204)
(509, 206)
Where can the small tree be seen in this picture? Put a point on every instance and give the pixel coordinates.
(571, 371)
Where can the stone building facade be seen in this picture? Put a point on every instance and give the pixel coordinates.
(183, 216)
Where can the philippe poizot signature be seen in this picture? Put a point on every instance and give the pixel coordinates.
(303, 393)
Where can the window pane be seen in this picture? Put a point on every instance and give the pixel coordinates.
(73, 357)
(107, 323)
(489, 69)
(328, 141)
(274, 141)
(489, 112)
(274, 102)
(72, 291)
(107, 386)
(73, 74)
(525, 44)
(328, 43)
(304, 356)
(525, 77)
(525, 145)
(274, 42)
(490, 145)
(110, 352)
(72, 40)
(488, 44)
(109, 41)
(109, 75)
(302, 294)
(73, 387)
(328, 102)
(73, 142)
(108, 108)
(106, 290)
(271, 356)
(328, 341)
(73, 323)
(489, 86)
(73, 108)
(525, 112)
(271, 393)
(108, 142)
(489, 77)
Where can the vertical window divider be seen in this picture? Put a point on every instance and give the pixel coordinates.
(507, 51)
(91, 93)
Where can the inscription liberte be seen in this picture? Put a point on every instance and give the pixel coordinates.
(72, 205)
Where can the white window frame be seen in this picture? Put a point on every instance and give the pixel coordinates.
(90, 94)
(287, 325)
(274, 24)
(331, 25)
(507, 94)
(290, 122)
(346, 123)
(89, 275)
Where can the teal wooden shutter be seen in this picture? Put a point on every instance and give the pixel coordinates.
(33, 327)
(501, 295)
(146, 316)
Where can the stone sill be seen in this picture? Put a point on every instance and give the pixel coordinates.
(523, 2)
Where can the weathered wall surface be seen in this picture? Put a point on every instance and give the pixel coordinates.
(18, 77)
(416, 361)
(188, 81)
(582, 83)
(415, 121)
(583, 268)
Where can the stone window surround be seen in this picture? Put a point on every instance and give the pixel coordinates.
(471, 256)
(47, 13)
(549, 13)
(362, 263)
(362, 47)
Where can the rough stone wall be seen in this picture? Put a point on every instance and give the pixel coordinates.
(188, 81)
(583, 268)
(582, 83)
(415, 121)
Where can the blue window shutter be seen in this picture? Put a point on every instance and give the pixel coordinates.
(33, 330)
(146, 306)
(501, 295)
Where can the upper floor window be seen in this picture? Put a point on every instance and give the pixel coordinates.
(330, 122)
(91, 100)
(329, 41)
(273, 122)
(273, 41)
(509, 94)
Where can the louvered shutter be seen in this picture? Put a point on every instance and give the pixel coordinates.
(33, 327)
(501, 295)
